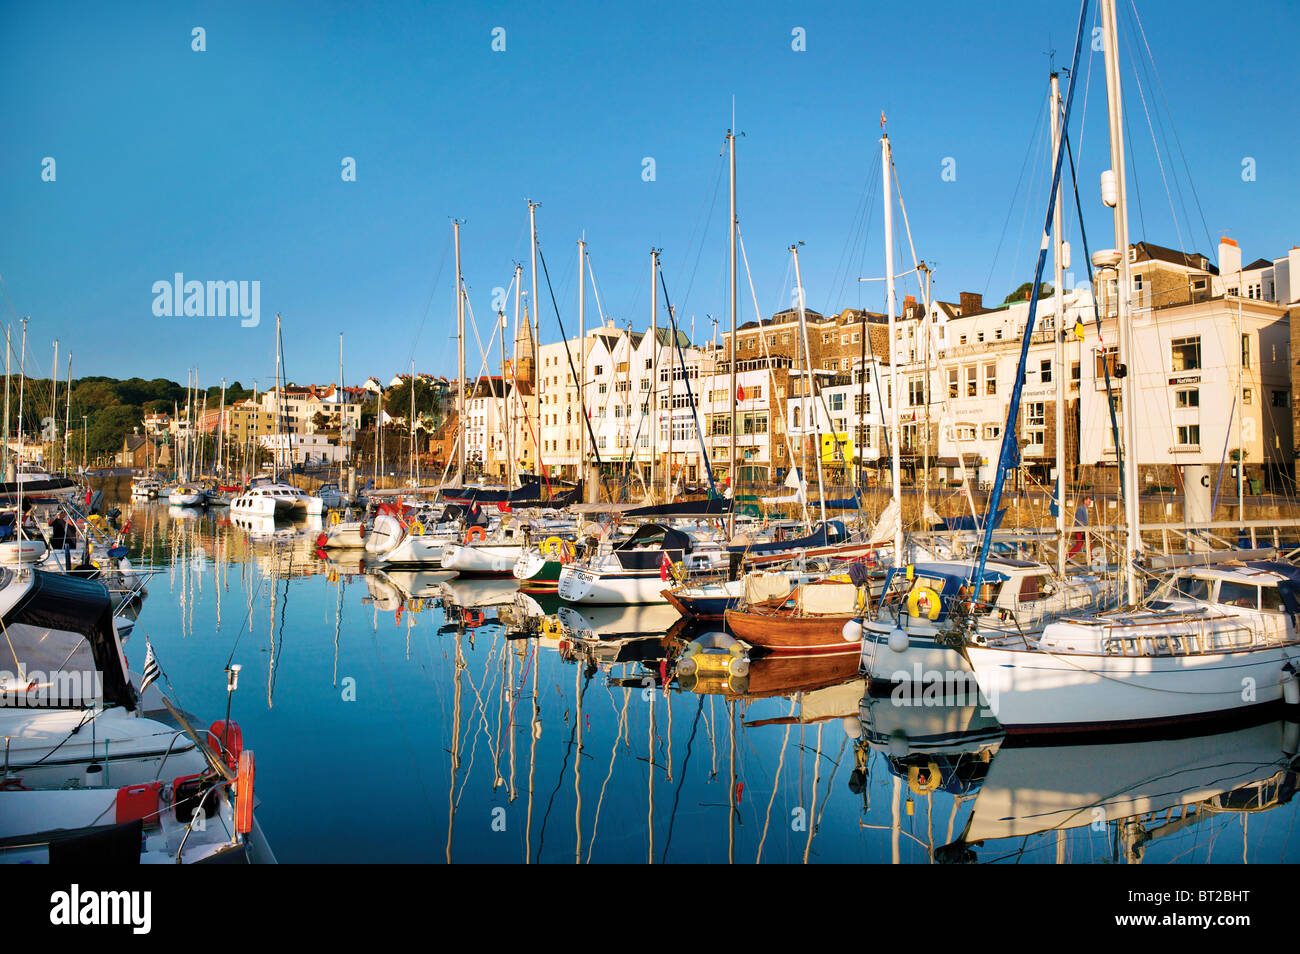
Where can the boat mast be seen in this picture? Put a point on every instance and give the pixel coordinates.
(8, 352)
(582, 391)
(1110, 46)
(1058, 263)
(886, 163)
(67, 411)
(54, 406)
(279, 395)
(219, 457)
(654, 366)
(514, 382)
(460, 357)
(22, 381)
(812, 404)
(672, 388)
(537, 327)
(731, 251)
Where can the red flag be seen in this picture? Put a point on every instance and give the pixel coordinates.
(504, 507)
(664, 566)
(740, 393)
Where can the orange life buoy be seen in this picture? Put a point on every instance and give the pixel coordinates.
(475, 533)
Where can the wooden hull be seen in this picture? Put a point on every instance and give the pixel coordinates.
(787, 633)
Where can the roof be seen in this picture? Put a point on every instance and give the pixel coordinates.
(1195, 260)
(1257, 263)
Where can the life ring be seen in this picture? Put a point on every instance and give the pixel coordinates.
(475, 533)
(417, 529)
(914, 598)
(334, 518)
(552, 627)
(417, 605)
(551, 546)
(931, 782)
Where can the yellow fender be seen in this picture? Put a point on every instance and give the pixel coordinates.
(931, 598)
(334, 518)
(416, 605)
(931, 782)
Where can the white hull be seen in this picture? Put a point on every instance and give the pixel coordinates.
(579, 585)
(345, 536)
(482, 558)
(1034, 691)
(44, 751)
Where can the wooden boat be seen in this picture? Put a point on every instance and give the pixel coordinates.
(812, 619)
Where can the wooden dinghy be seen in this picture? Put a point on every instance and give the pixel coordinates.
(811, 620)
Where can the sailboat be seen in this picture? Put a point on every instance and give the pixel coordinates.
(1211, 644)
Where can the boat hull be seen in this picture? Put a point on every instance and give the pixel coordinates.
(1039, 693)
(784, 633)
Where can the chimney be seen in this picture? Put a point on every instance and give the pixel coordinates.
(1229, 261)
(971, 303)
(909, 305)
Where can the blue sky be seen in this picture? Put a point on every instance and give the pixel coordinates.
(225, 164)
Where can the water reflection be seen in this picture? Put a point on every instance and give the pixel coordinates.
(407, 716)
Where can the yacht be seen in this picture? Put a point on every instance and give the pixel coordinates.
(1212, 642)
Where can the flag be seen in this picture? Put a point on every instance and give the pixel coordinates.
(740, 393)
(664, 566)
(150, 672)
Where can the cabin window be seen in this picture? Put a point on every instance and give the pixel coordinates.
(1031, 588)
(1270, 599)
(1239, 594)
(1192, 588)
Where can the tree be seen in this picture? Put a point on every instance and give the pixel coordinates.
(397, 401)
(1022, 293)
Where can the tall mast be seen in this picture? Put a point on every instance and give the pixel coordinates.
(654, 365)
(54, 404)
(67, 411)
(731, 251)
(582, 391)
(220, 455)
(22, 382)
(537, 329)
(8, 353)
(672, 398)
(812, 402)
(1058, 264)
(886, 163)
(460, 356)
(1110, 41)
(511, 432)
(279, 396)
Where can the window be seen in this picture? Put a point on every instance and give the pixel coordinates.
(1036, 414)
(1075, 371)
(602, 387)
(992, 431)
(1247, 396)
(1189, 435)
(826, 337)
(990, 379)
(837, 402)
(785, 337)
(1281, 399)
(953, 384)
(1045, 371)
(1186, 353)
(1239, 594)
(1105, 359)
(862, 403)
(961, 340)
(1188, 397)
(599, 369)
(916, 391)
(1245, 351)
(972, 381)
(965, 432)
